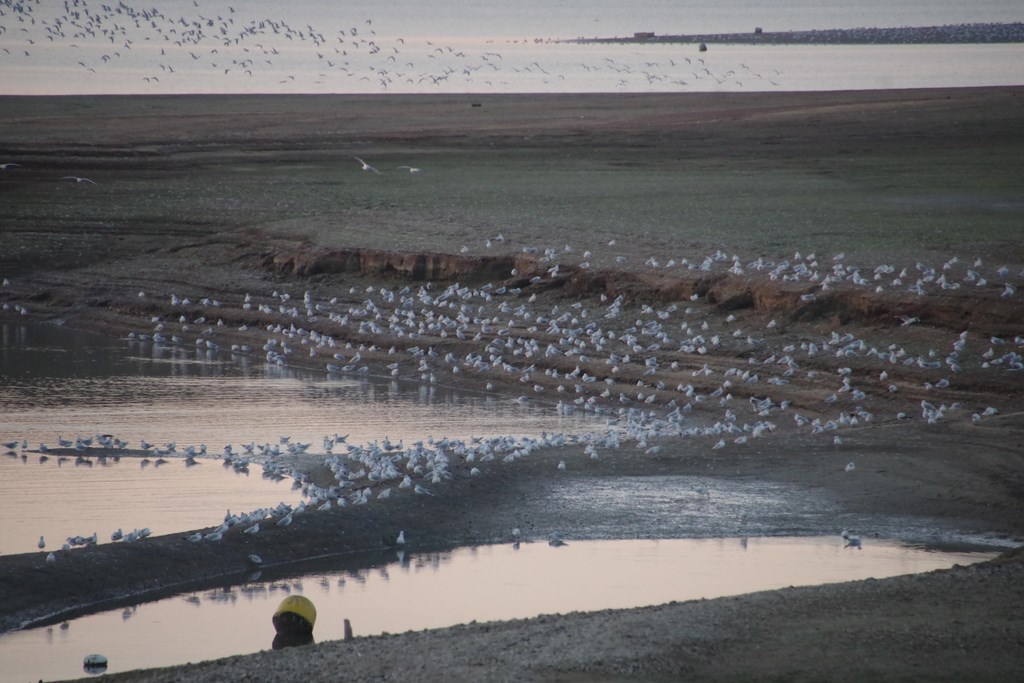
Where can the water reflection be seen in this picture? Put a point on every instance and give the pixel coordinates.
(64, 496)
(57, 383)
(283, 640)
(411, 591)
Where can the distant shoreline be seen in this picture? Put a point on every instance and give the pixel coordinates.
(906, 35)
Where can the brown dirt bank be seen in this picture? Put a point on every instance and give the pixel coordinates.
(726, 292)
(190, 203)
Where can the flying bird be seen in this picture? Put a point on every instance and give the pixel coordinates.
(78, 179)
(366, 166)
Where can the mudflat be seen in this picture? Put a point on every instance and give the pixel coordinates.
(852, 256)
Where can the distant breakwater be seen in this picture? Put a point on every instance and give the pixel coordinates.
(907, 35)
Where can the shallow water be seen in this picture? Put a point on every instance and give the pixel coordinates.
(411, 591)
(59, 383)
(57, 499)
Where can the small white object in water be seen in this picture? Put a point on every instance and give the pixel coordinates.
(401, 538)
(850, 467)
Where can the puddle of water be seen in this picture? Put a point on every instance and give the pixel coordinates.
(60, 382)
(56, 382)
(442, 589)
(57, 499)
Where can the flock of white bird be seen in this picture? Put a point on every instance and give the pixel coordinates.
(245, 51)
(683, 370)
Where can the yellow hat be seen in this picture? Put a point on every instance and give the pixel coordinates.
(298, 605)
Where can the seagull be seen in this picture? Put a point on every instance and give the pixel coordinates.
(401, 538)
(78, 179)
(412, 169)
(9, 165)
(42, 543)
(851, 540)
(366, 166)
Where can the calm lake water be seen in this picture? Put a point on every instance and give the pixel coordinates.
(58, 383)
(453, 46)
(412, 591)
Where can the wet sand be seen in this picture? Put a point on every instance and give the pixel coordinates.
(191, 202)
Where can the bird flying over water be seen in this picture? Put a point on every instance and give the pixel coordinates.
(78, 179)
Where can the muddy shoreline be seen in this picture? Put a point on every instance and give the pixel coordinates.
(189, 206)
